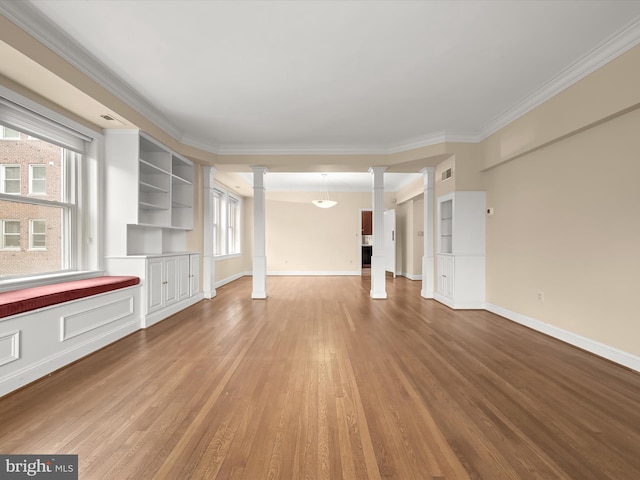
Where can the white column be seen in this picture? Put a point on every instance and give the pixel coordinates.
(259, 243)
(378, 276)
(208, 261)
(428, 266)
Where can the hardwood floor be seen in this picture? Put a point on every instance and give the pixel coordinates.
(321, 382)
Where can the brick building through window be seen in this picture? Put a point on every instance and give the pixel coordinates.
(32, 234)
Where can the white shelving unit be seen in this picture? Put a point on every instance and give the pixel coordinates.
(149, 208)
(151, 195)
(461, 250)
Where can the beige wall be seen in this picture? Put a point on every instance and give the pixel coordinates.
(303, 237)
(567, 223)
(600, 95)
(404, 246)
(418, 242)
(229, 268)
(410, 221)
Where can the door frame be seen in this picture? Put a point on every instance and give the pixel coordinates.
(360, 235)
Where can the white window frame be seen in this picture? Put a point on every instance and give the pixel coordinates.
(3, 178)
(32, 233)
(233, 225)
(31, 178)
(3, 134)
(224, 204)
(4, 234)
(85, 257)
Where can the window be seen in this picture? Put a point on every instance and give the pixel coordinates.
(218, 244)
(38, 179)
(51, 229)
(7, 133)
(37, 234)
(226, 223)
(10, 177)
(233, 220)
(10, 234)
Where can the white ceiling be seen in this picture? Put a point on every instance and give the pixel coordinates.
(331, 76)
(323, 77)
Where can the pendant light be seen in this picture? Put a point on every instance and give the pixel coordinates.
(324, 201)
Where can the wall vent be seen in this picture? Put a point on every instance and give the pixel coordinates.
(447, 174)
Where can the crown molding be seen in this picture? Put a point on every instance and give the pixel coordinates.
(27, 17)
(232, 149)
(410, 144)
(432, 139)
(612, 47)
(32, 21)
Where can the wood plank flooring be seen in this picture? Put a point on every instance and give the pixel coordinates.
(321, 382)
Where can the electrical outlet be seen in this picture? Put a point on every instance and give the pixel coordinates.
(541, 296)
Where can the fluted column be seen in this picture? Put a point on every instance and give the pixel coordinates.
(428, 265)
(208, 261)
(259, 244)
(378, 276)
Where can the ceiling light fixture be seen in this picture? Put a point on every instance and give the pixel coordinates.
(324, 201)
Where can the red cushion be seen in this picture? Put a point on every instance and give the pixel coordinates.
(27, 299)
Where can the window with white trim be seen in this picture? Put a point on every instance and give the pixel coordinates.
(10, 179)
(57, 213)
(37, 234)
(7, 133)
(10, 235)
(233, 225)
(37, 179)
(226, 223)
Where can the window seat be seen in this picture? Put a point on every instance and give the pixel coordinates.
(27, 299)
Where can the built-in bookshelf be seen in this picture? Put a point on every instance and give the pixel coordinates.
(150, 192)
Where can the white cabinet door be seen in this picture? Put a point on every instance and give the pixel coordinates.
(446, 275)
(194, 274)
(170, 280)
(155, 284)
(183, 277)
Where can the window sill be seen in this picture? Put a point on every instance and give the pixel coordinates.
(226, 257)
(38, 280)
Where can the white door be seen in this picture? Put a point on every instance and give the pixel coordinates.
(170, 280)
(390, 241)
(184, 283)
(155, 285)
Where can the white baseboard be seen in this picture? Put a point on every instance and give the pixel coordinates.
(410, 276)
(298, 273)
(230, 279)
(155, 317)
(458, 305)
(597, 348)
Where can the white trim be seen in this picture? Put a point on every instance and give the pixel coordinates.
(614, 46)
(93, 319)
(600, 349)
(410, 276)
(14, 347)
(230, 279)
(42, 29)
(47, 365)
(458, 305)
(317, 273)
(157, 316)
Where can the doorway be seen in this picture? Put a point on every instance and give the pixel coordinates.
(366, 241)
